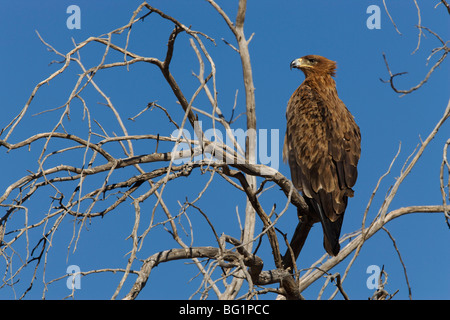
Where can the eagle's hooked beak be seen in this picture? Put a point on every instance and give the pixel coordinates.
(296, 63)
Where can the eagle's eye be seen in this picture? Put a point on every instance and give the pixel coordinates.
(312, 60)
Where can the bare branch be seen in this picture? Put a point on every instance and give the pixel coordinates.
(95, 172)
(401, 260)
(445, 50)
(446, 5)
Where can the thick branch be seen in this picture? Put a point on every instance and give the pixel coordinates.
(253, 262)
(368, 232)
(57, 135)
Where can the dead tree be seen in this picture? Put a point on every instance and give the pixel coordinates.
(95, 173)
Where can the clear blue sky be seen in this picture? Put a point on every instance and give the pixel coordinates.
(284, 30)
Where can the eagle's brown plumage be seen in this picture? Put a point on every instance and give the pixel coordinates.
(322, 146)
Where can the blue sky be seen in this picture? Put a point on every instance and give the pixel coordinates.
(284, 30)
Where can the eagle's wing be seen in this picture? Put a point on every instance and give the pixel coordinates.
(322, 145)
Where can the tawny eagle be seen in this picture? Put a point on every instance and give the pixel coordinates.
(322, 146)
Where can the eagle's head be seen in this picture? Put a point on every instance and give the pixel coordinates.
(314, 64)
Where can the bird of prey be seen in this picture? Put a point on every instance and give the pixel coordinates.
(322, 146)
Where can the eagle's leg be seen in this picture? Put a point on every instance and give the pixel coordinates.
(297, 241)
